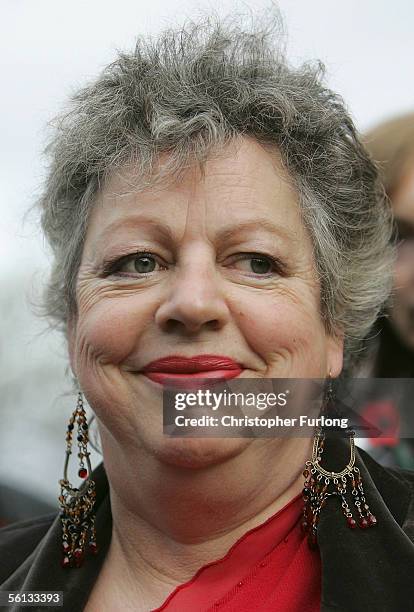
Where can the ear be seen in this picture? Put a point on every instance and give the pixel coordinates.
(71, 338)
(335, 354)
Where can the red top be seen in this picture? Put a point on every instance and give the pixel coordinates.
(269, 568)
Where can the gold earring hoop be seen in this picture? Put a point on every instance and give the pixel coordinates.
(77, 504)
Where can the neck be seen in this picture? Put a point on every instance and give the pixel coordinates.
(169, 521)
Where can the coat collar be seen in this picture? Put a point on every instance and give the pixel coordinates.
(368, 569)
(42, 570)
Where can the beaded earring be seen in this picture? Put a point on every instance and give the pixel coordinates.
(77, 504)
(321, 484)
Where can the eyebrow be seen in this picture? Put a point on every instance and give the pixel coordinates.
(225, 234)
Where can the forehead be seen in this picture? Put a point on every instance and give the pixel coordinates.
(243, 184)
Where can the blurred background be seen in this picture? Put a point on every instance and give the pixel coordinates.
(49, 49)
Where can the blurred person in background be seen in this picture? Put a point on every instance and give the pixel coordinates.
(391, 144)
(213, 214)
(390, 348)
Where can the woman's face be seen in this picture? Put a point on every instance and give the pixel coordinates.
(227, 269)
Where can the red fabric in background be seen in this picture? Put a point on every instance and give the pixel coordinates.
(385, 416)
(269, 568)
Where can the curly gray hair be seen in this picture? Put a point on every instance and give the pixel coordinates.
(188, 93)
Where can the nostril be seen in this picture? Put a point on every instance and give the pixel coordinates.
(213, 325)
(190, 327)
(185, 311)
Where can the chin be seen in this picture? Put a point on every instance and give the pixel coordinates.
(198, 453)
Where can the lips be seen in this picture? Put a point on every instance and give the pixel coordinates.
(176, 370)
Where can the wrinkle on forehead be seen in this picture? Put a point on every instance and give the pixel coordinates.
(242, 183)
(129, 181)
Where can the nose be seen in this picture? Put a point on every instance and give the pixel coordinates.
(195, 300)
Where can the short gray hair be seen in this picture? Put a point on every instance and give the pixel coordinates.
(189, 92)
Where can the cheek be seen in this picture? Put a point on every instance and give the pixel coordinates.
(109, 331)
(283, 325)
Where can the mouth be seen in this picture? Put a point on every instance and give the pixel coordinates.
(192, 372)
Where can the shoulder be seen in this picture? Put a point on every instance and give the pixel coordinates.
(390, 489)
(386, 550)
(19, 540)
(396, 487)
(404, 476)
(382, 473)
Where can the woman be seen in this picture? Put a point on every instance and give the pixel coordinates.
(212, 213)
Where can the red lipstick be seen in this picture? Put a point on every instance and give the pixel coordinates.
(176, 370)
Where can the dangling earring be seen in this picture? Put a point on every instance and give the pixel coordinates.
(77, 516)
(321, 484)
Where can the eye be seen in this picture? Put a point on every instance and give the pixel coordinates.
(260, 265)
(144, 264)
(255, 263)
(134, 265)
